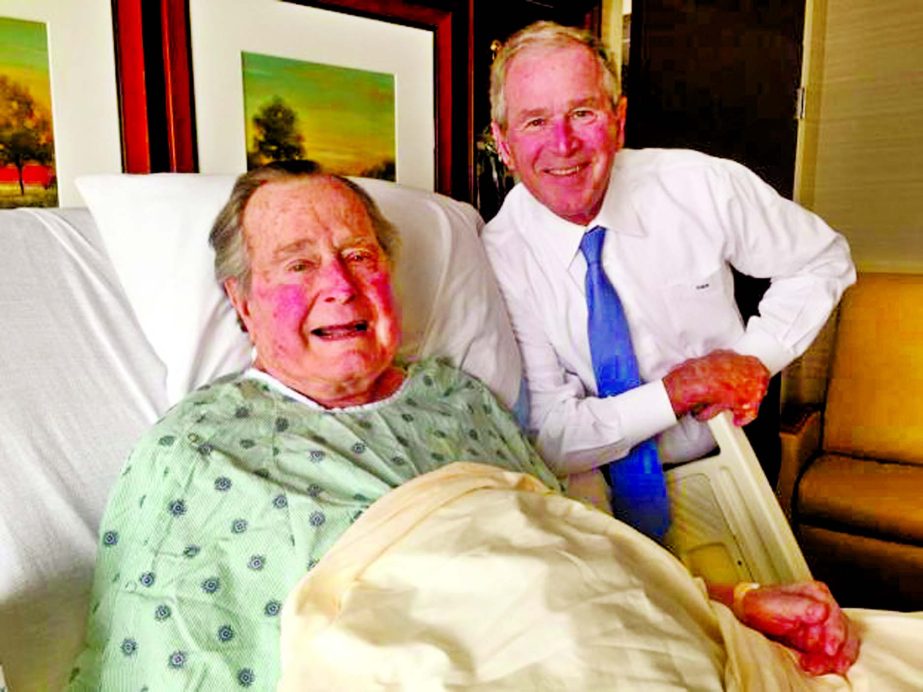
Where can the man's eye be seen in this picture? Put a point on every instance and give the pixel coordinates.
(583, 114)
(359, 256)
(534, 124)
(300, 266)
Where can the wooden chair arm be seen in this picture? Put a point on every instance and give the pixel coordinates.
(800, 432)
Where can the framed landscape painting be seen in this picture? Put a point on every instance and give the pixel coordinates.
(27, 170)
(340, 117)
(356, 94)
(58, 99)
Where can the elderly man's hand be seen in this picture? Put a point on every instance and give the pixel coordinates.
(720, 381)
(803, 617)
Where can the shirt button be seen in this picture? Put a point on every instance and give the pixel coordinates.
(192, 437)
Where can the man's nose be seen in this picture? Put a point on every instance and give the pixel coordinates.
(563, 136)
(336, 282)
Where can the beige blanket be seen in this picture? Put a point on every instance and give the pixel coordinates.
(475, 578)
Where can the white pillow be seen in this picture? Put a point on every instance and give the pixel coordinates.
(155, 228)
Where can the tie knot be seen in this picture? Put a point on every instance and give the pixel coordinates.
(591, 245)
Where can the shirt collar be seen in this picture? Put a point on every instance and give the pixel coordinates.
(618, 210)
(555, 238)
(561, 238)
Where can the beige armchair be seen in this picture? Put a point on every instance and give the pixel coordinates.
(852, 471)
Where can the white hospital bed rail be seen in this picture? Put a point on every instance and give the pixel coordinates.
(727, 524)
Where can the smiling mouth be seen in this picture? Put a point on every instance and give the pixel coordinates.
(563, 172)
(341, 331)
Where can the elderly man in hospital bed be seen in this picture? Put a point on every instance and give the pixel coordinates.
(329, 519)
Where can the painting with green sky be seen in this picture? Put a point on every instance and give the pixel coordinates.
(26, 137)
(340, 117)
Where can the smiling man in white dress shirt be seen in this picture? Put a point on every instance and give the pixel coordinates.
(676, 222)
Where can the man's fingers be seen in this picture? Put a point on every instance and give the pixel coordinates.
(720, 380)
(820, 663)
(813, 638)
(814, 663)
(806, 618)
(708, 412)
(836, 633)
(784, 615)
(849, 652)
(788, 608)
(745, 414)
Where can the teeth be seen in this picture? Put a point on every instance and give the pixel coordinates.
(564, 171)
(341, 330)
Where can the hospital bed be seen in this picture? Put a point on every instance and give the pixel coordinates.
(110, 315)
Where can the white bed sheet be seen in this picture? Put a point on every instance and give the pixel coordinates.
(78, 383)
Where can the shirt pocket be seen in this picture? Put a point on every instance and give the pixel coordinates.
(703, 312)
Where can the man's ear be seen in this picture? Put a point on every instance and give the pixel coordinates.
(502, 147)
(241, 306)
(621, 111)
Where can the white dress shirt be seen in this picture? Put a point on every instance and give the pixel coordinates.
(677, 221)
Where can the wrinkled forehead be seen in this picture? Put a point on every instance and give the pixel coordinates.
(316, 196)
(532, 63)
(310, 207)
(546, 72)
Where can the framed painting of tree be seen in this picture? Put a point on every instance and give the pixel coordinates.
(340, 117)
(357, 94)
(27, 176)
(58, 99)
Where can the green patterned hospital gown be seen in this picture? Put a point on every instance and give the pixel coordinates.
(234, 494)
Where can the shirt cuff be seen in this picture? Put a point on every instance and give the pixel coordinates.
(771, 353)
(640, 413)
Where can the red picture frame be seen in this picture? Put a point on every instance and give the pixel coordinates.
(448, 28)
(132, 29)
(453, 109)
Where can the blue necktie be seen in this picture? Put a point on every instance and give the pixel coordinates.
(639, 492)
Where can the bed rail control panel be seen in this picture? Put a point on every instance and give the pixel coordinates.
(727, 523)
